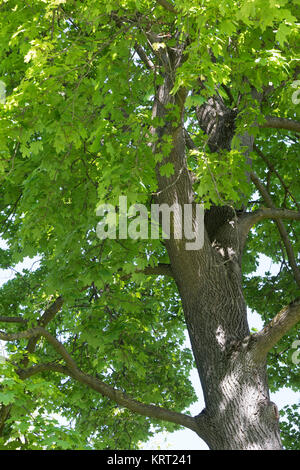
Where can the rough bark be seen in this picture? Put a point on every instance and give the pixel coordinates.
(218, 123)
(238, 413)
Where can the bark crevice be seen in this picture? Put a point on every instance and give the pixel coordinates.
(237, 411)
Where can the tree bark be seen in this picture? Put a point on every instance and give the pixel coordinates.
(238, 413)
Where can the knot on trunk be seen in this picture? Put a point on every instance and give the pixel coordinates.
(216, 217)
(269, 411)
(218, 122)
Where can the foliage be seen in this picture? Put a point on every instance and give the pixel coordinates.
(75, 132)
(290, 434)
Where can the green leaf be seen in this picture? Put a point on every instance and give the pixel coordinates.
(283, 32)
(7, 397)
(167, 169)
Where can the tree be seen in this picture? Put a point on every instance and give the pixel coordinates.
(164, 102)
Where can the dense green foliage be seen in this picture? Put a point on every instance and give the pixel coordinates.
(74, 133)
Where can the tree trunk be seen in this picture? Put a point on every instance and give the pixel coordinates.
(238, 413)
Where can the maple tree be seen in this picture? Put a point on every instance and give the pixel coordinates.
(162, 101)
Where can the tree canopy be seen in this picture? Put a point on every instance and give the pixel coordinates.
(96, 333)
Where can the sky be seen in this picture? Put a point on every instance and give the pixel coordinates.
(185, 439)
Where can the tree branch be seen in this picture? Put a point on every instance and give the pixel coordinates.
(4, 414)
(288, 317)
(4, 319)
(281, 228)
(247, 220)
(37, 369)
(151, 411)
(143, 56)
(47, 316)
(281, 123)
(189, 141)
(50, 312)
(108, 391)
(272, 168)
(168, 6)
(162, 269)
(37, 332)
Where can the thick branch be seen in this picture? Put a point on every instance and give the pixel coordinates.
(281, 123)
(4, 319)
(47, 316)
(4, 414)
(117, 396)
(73, 371)
(163, 269)
(50, 312)
(50, 366)
(249, 219)
(276, 329)
(281, 228)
